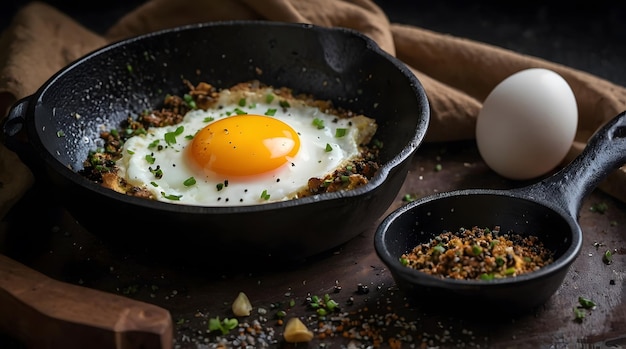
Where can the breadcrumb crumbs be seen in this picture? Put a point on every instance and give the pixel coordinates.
(478, 254)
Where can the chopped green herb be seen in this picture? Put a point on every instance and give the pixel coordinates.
(240, 112)
(409, 197)
(130, 151)
(60, 134)
(270, 112)
(499, 261)
(579, 314)
(189, 182)
(328, 148)
(189, 100)
(284, 104)
(223, 326)
(154, 184)
(586, 303)
(219, 186)
(269, 98)
(154, 143)
(439, 249)
(607, 257)
(265, 195)
(171, 196)
(599, 207)
(340, 132)
(158, 173)
(242, 102)
(150, 159)
(487, 276)
(208, 119)
(477, 250)
(319, 123)
(170, 137)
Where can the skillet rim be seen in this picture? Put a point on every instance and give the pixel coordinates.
(368, 189)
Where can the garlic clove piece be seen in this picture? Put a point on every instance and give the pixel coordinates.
(297, 332)
(241, 305)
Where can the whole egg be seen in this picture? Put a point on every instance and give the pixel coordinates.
(527, 124)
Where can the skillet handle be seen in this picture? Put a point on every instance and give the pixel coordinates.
(604, 153)
(44, 313)
(16, 118)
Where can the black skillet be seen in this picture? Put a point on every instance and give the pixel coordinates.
(548, 209)
(63, 119)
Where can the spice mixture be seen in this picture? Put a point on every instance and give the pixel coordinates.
(478, 253)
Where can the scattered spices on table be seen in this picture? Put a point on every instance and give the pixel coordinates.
(478, 254)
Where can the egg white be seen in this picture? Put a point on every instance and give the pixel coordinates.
(320, 153)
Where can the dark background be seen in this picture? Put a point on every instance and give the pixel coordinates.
(586, 35)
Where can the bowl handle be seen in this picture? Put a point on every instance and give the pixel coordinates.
(42, 312)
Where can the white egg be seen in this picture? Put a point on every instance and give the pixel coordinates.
(527, 124)
(250, 152)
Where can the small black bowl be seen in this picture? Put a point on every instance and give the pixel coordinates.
(334, 64)
(547, 209)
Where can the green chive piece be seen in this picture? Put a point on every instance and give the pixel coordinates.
(477, 250)
(189, 182)
(607, 257)
(170, 137)
(270, 112)
(171, 196)
(150, 159)
(284, 104)
(319, 123)
(486, 276)
(340, 132)
(265, 195)
(586, 303)
(269, 98)
(242, 102)
(328, 148)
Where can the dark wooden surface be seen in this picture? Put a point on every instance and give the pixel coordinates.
(45, 237)
(195, 292)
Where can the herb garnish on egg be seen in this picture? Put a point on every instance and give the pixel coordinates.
(243, 136)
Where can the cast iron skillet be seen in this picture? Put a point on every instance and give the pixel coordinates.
(548, 209)
(63, 119)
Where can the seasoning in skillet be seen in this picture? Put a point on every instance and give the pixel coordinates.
(478, 254)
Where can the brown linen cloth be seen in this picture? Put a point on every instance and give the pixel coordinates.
(456, 73)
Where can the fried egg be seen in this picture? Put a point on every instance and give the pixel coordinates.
(250, 147)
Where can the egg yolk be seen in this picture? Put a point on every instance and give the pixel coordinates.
(244, 145)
